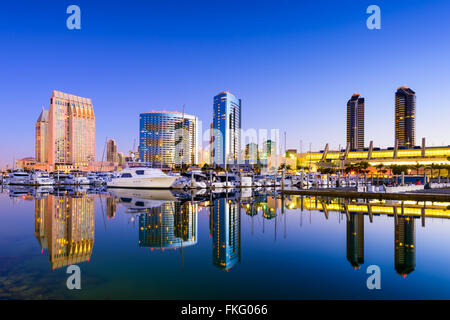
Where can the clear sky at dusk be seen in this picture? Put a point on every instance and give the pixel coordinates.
(294, 64)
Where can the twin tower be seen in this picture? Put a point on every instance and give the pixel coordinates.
(405, 119)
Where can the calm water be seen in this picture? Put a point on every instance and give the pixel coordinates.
(136, 244)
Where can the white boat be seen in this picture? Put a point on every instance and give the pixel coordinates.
(77, 179)
(19, 177)
(181, 183)
(41, 178)
(149, 178)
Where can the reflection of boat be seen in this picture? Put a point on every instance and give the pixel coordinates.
(19, 191)
(138, 199)
(166, 195)
(149, 178)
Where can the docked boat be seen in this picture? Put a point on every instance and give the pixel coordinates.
(77, 178)
(41, 178)
(148, 178)
(19, 177)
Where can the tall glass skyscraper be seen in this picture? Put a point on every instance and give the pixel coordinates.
(355, 122)
(405, 117)
(226, 127)
(169, 138)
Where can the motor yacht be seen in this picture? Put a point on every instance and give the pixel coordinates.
(19, 177)
(41, 178)
(149, 178)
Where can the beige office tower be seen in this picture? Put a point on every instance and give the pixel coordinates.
(111, 151)
(71, 130)
(41, 137)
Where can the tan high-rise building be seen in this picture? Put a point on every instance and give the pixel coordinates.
(111, 151)
(71, 128)
(41, 137)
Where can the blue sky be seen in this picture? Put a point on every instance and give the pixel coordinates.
(294, 64)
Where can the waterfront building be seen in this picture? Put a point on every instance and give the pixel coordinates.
(41, 137)
(405, 117)
(111, 151)
(355, 239)
(225, 227)
(423, 155)
(169, 138)
(120, 158)
(355, 122)
(226, 129)
(405, 245)
(71, 127)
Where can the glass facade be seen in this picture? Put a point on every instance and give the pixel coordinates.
(355, 122)
(405, 117)
(169, 138)
(226, 129)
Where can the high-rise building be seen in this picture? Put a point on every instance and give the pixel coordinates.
(251, 152)
(169, 138)
(405, 117)
(226, 129)
(41, 137)
(111, 151)
(269, 149)
(71, 127)
(355, 121)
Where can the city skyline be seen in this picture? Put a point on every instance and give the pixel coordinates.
(290, 83)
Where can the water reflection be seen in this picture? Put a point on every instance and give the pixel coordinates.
(225, 228)
(355, 240)
(405, 246)
(64, 225)
(65, 222)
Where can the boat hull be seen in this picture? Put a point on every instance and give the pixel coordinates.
(142, 183)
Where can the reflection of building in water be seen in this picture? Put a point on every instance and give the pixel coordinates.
(171, 225)
(226, 230)
(355, 240)
(405, 245)
(270, 210)
(111, 207)
(65, 226)
(40, 209)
